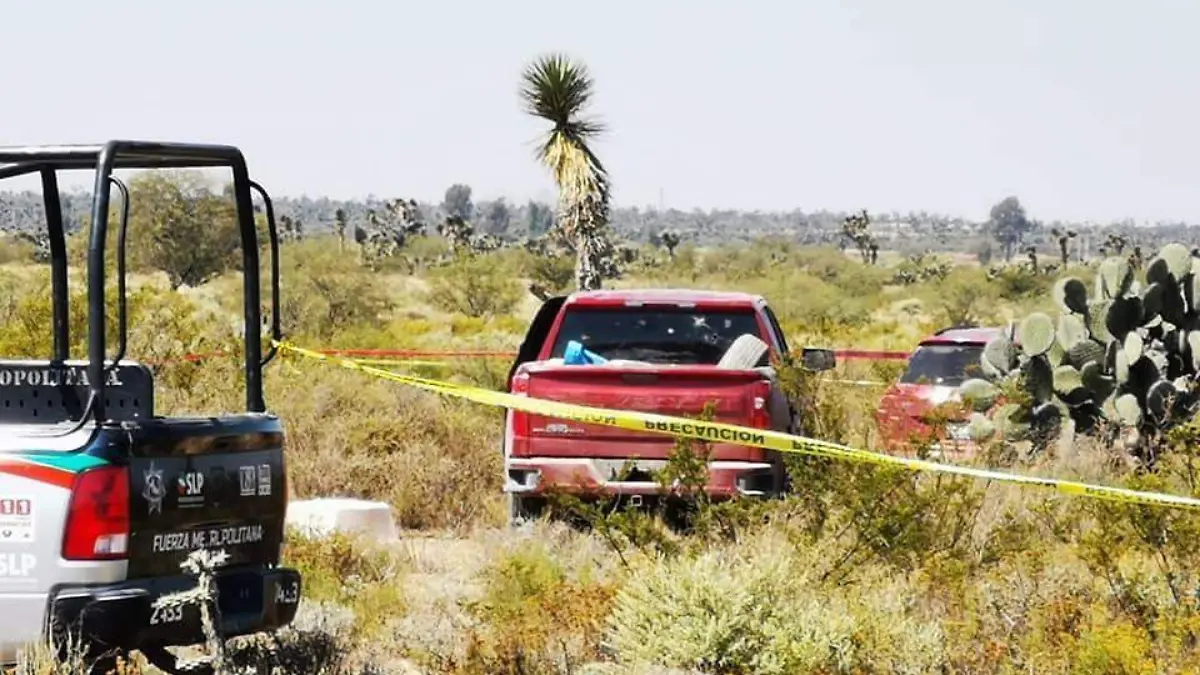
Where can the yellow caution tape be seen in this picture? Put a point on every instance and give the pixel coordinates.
(737, 435)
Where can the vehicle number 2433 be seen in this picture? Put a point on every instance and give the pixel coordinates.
(166, 614)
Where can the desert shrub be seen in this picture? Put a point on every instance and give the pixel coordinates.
(805, 303)
(534, 616)
(161, 325)
(418, 254)
(1120, 648)
(556, 274)
(325, 291)
(752, 261)
(15, 251)
(756, 609)
(179, 226)
(1019, 282)
(683, 267)
(319, 642)
(344, 570)
(472, 286)
(436, 461)
(832, 267)
(964, 298)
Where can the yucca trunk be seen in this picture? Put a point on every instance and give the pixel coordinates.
(583, 209)
(582, 221)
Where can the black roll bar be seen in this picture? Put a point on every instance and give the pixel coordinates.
(127, 154)
(273, 233)
(59, 293)
(122, 314)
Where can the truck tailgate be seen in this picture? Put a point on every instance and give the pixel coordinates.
(680, 391)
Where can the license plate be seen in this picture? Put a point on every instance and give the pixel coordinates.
(240, 594)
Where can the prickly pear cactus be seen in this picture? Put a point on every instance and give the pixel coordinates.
(1127, 354)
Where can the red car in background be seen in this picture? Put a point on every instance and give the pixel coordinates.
(935, 370)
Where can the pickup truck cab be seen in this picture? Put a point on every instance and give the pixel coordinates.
(663, 347)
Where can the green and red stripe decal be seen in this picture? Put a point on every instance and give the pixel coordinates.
(57, 469)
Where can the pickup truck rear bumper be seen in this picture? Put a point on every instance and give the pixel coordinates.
(123, 615)
(535, 475)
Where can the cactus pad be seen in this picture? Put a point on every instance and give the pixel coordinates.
(1120, 366)
(1039, 379)
(1115, 277)
(1178, 258)
(1193, 340)
(1143, 373)
(1159, 397)
(979, 394)
(1036, 334)
(1191, 293)
(999, 354)
(1094, 380)
(1124, 315)
(1071, 295)
(1085, 351)
(1067, 379)
(1174, 309)
(1071, 331)
(1134, 346)
(1158, 271)
(1057, 355)
(1129, 411)
(1097, 320)
(1152, 302)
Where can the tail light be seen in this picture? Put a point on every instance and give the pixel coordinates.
(98, 516)
(520, 420)
(760, 410)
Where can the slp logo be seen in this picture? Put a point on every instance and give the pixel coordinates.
(191, 489)
(17, 564)
(191, 483)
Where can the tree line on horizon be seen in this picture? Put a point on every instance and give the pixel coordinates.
(907, 233)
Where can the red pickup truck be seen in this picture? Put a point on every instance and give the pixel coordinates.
(664, 349)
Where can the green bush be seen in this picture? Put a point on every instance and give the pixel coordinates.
(757, 610)
(474, 287)
(325, 292)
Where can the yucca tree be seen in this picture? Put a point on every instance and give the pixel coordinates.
(555, 89)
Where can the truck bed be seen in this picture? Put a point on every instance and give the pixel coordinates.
(669, 390)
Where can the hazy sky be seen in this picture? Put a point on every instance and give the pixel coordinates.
(1082, 109)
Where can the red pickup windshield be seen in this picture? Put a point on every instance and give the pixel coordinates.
(946, 365)
(655, 334)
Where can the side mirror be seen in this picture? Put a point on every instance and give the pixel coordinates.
(818, 359)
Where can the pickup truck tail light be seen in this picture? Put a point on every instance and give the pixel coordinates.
(760, 410)
(520, 420)
(98, 515)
